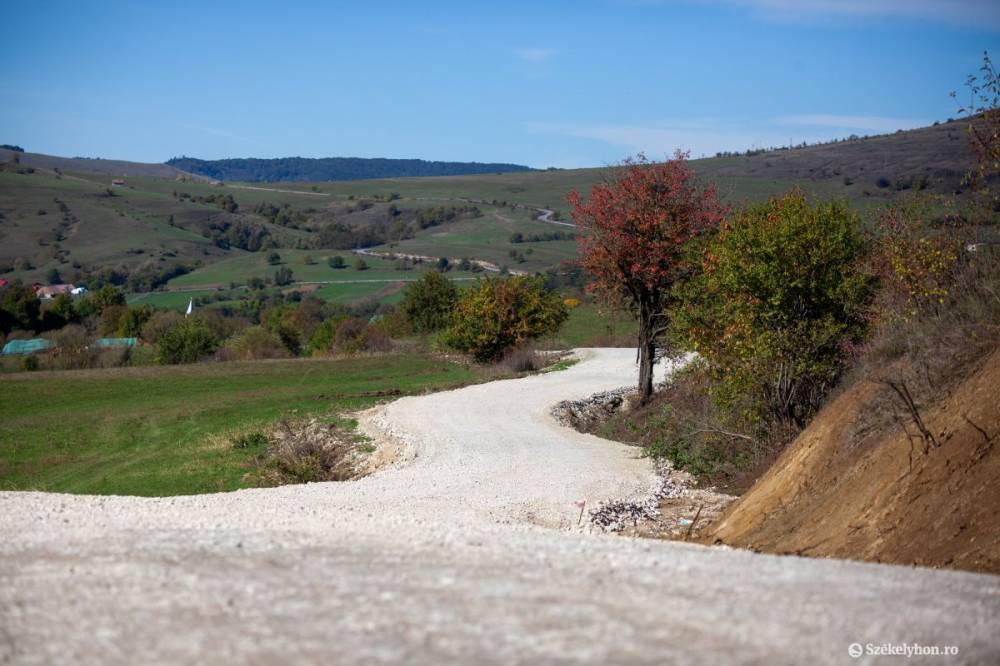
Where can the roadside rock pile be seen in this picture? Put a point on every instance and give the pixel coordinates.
(616, 515)
(586, 414)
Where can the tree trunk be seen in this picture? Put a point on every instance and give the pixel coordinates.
(647, 350)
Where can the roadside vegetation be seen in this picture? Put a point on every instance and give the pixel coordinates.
(785, 294)
(790, 301)
(167, 403)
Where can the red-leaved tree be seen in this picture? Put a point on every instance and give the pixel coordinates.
(636, 224)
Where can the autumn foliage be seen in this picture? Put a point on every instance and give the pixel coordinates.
(779, 297)
(498, 313)
(637, 223)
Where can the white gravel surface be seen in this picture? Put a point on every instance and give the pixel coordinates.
(465, 550)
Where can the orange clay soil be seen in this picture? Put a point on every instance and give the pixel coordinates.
(837, 493)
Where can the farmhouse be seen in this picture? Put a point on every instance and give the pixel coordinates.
(117, 182)
(48, 292)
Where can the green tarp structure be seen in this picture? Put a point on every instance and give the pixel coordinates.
(25, 346)
(116, 342)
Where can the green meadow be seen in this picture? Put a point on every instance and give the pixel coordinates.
(162, 430)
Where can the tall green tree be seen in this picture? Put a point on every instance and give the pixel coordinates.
(19, 307)
(429, 302)
(780, 296)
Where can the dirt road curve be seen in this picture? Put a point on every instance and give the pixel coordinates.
(463, 552)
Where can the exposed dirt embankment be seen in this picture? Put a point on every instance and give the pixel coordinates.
(888, 496)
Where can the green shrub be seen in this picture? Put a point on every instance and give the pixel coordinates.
(188, 341)
(322, 338)
(499, 313)
(107, 296)
(704, 456)
(19, 307)
(917, 263)
(75, 348)
(355, 335)
(252, 438)
(280, 320)
(257, 343)
(132, 321)
(429, 302)
(159, 324)
(780, 298)
(111, 319)
(283, 276)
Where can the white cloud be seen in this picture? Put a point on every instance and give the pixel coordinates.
(534, 53)
(979, 13)
(700, 137)
(871, 123)
(706, 136)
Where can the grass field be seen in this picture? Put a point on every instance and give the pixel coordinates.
(381, 280)
(590, 325)
(240, 268)
(149, 431)
(488, 238)
(175, 300)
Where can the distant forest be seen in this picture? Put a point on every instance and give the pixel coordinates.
(330, 168)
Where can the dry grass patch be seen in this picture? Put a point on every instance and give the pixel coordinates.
(302, 451)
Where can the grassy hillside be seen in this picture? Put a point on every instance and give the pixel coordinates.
(68, 221)
(155, 430)
(75, 222)
(116, 168)
(849, 169)
(382, 279)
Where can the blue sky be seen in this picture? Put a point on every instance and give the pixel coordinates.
(541, 83)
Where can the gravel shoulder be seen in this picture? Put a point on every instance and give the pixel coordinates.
(463, 549)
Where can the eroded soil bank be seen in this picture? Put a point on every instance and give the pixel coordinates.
(863, 481)
(889, 495)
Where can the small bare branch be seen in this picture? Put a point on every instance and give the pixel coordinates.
(904, 395)
(982, 431)
(722, 432)
(694, 522)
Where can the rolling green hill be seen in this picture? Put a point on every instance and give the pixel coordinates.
(167, 230)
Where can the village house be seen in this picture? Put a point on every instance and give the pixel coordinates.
(50, 291)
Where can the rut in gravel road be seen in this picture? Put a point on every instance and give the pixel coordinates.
(464, 550)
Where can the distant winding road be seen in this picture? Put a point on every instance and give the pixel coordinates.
(466, 550)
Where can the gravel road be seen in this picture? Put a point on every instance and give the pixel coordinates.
(465, 550)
